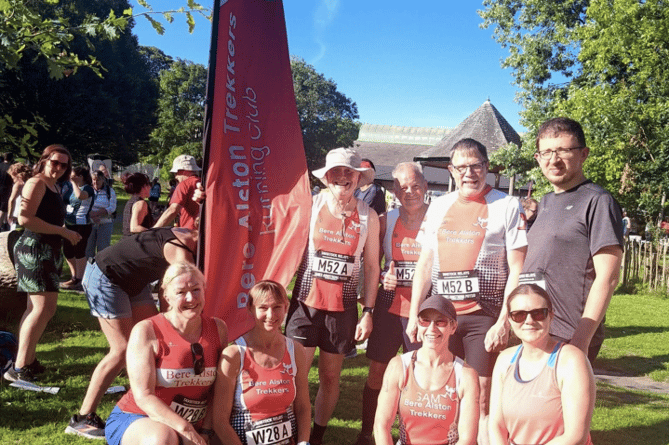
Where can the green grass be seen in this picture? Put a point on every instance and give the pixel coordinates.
(637, 337)
(636, 345)
(73, 345)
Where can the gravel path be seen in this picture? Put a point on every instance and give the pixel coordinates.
(636, 383)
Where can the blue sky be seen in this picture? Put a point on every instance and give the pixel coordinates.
(422, 63)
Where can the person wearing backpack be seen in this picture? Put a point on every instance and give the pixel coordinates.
(102, 215)
(78, 205)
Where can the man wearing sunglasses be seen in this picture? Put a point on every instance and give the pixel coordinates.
(473, 248)
(575, 245)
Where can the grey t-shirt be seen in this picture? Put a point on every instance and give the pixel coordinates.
(570, 228)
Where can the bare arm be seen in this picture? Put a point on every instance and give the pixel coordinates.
(12, 201)
(224, 389)
(80, 194)
(388, 401)
(222, 328)
(141, 366)
(302, 403)
(498, 335)
(389, 277)
(607, 271)
(496, 428)
(382, 234)
(139, 211)
(168, 216)
(577, 387)
(419, 288)
(469, 407)
(372, 272)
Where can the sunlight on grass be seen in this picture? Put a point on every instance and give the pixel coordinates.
(636, 345)
(637, 328)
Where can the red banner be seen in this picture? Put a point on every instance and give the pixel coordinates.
(258, 199)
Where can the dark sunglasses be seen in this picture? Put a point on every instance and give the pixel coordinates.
(55, 163)
(536, 314)
(422, 322)
(198, 358)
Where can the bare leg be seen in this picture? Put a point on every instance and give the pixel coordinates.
(149, 432)
(375, 376)
(80, 266)
(41, 308)
(310, 352)
(72, 264)
(117, 332)
(329, 372)
(484, 383)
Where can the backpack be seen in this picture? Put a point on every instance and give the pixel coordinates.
(8, 348)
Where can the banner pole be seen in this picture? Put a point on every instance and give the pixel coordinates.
(206, 139)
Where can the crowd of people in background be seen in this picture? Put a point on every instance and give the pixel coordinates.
(446, 280)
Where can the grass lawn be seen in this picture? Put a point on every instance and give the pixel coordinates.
(636, 345)
(73, 344)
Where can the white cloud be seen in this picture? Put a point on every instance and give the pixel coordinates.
(325, 14)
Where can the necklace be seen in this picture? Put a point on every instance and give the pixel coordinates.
(340, 210)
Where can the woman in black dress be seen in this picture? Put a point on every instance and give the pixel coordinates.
(38, 254)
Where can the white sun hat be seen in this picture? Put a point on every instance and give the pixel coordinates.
(184, 162)
(345, 157)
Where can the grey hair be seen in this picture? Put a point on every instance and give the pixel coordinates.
(415, 166)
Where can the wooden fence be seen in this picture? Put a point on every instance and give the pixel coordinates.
(646, 262)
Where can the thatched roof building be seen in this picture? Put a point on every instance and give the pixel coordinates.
(486, 125)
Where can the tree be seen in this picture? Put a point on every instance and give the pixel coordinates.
(86, 112)
(327, 117)
(58, 37)
(183, 89)
(603, 63)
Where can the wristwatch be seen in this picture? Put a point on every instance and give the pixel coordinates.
(369, 310)
(206, 432)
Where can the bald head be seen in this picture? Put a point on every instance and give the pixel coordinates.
(410, 185)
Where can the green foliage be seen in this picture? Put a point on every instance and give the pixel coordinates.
(58, 37)
(183, 89)
(603, 63)
(327, 117)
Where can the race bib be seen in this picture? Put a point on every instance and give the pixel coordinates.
(333, 266)
(537, 278)
(188, 409)
(404, 271)
(459, 286)
(272, 431)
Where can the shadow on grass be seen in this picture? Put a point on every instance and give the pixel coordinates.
(626, 331)
(655, 434)
(633, 366)
(337, 434)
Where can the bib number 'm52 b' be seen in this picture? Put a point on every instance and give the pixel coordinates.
(458, 286)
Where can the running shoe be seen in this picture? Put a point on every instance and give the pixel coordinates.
(24, 374)
(36, 367)
(90, 426)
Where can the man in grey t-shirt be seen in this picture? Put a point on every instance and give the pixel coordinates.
(575, 245)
